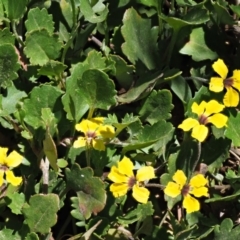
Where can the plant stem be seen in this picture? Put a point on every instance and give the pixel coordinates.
(88, 156)
(171, 46)
(198, 157)
(159, 11)
(197, 78)
(66, 223)
(16, 33)
(90, 113)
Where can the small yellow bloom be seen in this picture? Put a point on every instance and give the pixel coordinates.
(208, 112)
(217, 84)
(94, 133)
(195, 187)
(6, 163)
(124, 179)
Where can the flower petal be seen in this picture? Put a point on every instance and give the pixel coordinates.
(231, 98)
(10, 177)
(119, 189)
(80, 142)
(141, 194)
(98, 144)
(125, 166)
(14, 159)
(200, 132)
(116, 176)
(199, 109)
(200, 192)
(97, 120)
(220, 68)
(172, 189)
(188, 124)
(180, 178)
(145, 173)
(106, 131)
(213, 107)
(216, 84)
(3, 155)
(198, 181)
(1, 177)
(86, 125)
(191, 204)
(219, 120)
(236, 79)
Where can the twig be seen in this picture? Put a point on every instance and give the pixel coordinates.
(234, 154)
(154, 185)
(44, 165)
(96, 41)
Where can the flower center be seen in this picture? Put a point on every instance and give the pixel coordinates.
(90, 135)
(4, 168)
(132, 181)
(203, 119)
(185, 190)
(228, 82)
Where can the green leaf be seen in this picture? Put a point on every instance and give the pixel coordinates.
(41, 47)
(126, 121)
(235, 9)
(31, 236)
(197, 48)
(232, 130)
(8, 234)
(95, 60)
(138, 214)
(8, 64)
(150, 135)
(140, 39)
(6, 37)
(50, 150)
(97, 89)
(181, 88)
(159, 233)
(93, 14)
(40, 213)
(124, 73)
(73, 101)
(157, 106)
(38, 19)
(91, 196)
(226, 230)
(199, 16)
(16, 201)
(14, 9)
(215, 152)
(223, 16)
(52, 69)
(143, 87)
(62, 163)
(33, 105)
(10, 101)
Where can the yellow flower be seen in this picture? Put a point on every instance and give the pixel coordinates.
(124, 179)
(94, 133)
(195, 187)
(231, 98)
(208, 112)
(6, 163)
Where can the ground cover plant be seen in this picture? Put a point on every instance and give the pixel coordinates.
(119, 119)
